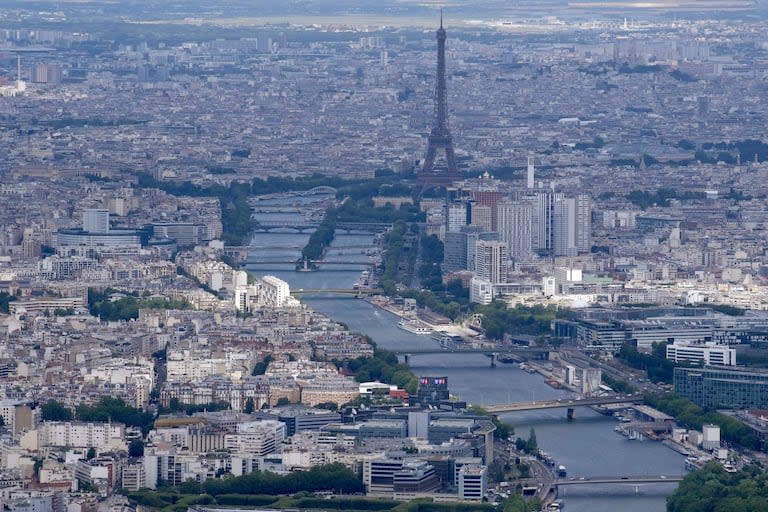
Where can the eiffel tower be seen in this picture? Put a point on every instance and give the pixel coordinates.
(440, 136)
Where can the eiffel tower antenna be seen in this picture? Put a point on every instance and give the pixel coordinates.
(440, 137)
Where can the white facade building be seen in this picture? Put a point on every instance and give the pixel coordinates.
(96, 220)
(491, 261)
(274, 292)
(473, 482)
(583, 223)
(456, 216)
(257, 438)
(705, 353)
(102, 436)
(480, 291)
(514, 221)
(710, 437)
(564, 227)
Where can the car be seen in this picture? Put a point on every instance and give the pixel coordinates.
(625, 478)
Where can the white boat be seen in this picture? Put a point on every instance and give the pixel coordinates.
(414, 326)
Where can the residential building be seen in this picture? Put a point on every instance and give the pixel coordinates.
(491, 264)
(515, 226)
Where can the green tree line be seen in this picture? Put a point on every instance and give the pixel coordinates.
(233, 200)
(661, 197)
(383, 367)
(503, 431)
(125, 308)
(179, 499)
(5, 299)
(432, 254)
(174, 405)
(690, 415)
(326, 477)
(748, 150)
(655, 364)
(394, 242)
(322, 237)
(106, 409)
(499, 320)
(443, 303)
(260, 368)
(712, 489)
(236, 212)
(363, 210)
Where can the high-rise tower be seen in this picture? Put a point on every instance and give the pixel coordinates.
(440, 137)
(529, 176)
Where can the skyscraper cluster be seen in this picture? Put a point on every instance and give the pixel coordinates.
(486, 229)
(491, 230)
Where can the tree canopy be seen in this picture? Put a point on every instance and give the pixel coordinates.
(115, 409)
(656, 364)
(712, 489)
(55, 411)
(690, 415)
(499, 320)
(326, 477)
(383, 367)
(5, 299)
(101, 304)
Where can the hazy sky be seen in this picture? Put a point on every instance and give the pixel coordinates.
(377, 11)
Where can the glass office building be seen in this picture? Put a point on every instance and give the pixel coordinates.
(717, 387)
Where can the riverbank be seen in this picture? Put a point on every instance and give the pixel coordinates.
(407, 311)
(587, 446)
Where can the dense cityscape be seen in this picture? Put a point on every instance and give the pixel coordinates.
(383, 256)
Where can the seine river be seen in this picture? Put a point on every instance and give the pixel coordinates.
(588, 446)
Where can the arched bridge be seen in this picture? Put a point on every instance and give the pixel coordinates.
(322, 189)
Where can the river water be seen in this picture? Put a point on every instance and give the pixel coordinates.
(588, 446)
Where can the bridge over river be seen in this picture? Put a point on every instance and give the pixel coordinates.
(604, 480)
(561, 403)
(492, 353)
(361, 292)
(551, 489)
(304, 225)
(310, 263)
